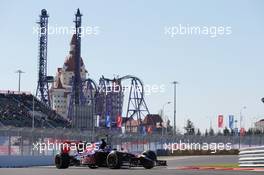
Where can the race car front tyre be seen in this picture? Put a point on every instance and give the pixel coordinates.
(147, 163)
(150, 154)
(62, 161)
(113, 161)
(148, 159)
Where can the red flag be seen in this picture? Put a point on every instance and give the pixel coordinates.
(220, 121)
(119, 121)
(149, 130)
(242, 131)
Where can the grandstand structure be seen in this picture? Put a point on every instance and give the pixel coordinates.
(21, 109)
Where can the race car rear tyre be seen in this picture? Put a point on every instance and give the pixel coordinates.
(62, 161)
(113, 161)
(150, 154)
(100, 158)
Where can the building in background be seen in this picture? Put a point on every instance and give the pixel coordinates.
(151, 123)
(62, 86)
(260, 125)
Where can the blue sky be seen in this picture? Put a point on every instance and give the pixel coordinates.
(217, 75)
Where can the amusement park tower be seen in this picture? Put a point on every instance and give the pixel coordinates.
(43, 79)
(68, 94)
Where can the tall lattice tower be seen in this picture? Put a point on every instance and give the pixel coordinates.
(77, 81)
(79, 110)
(42, 87)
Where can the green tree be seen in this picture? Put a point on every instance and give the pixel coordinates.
(198, 132)
(211, 132)
(206, 133)
(226, 132)
(232, 132)
(249, 131)
(189, 128)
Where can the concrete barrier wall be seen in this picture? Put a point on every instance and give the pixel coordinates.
(251, 157)
(26, 161)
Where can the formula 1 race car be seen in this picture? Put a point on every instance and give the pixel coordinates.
(107, 158)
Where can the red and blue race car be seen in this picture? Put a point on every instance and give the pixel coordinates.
(106, 157)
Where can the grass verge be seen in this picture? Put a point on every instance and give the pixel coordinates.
(219, 165)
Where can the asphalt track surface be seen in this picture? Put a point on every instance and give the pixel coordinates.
(173, 162)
